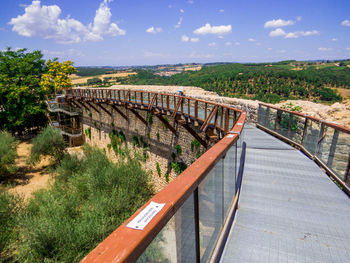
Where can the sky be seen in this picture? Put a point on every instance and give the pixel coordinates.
(151, 32)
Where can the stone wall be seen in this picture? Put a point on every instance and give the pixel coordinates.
(161, 141)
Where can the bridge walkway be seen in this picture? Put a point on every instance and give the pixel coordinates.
(289, 209)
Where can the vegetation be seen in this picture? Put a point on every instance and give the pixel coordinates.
(195, 145)
(178, 149)
(61, 227)
(266, 82)
(88, 132)
(49, 142)
(8, 154)
(9, 212)
(158, 169)
(89, 71)
(57, 76)
(22, 105)
(178, 167)
(94, 81)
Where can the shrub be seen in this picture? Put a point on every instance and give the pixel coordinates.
(195, 145)
(88, 132)
(63, 223)
(8, 154)
(178, 149)
(149, 118)
(166, 175)
(9, 210)
(173, 156)
(158, 169)
(49, 142)
(158, 136)
(178, 167)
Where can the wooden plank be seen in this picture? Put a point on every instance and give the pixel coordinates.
(208, 119)
(227, 120)
(167, 124)
(139, 116)
(120, 112)
(177, 107)
(195, 135)
(104, 109)
(92, 106)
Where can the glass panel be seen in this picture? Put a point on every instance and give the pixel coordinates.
(230, 177)
(311, 136)
(176, 241)
(210, 202)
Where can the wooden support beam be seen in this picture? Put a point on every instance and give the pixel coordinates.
(81, 104)
(208, 119)
(104, 109)
(92, 106)
(139, 116)
(177, 107)
(126, 98)
(150, 106)
(167, 124)
(120, 112)
(195, 135)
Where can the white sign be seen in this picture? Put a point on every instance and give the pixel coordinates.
(145, 216)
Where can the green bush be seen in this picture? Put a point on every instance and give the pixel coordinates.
(8, 154)
(9, 210)
(49, 142)
(178, 149)
(178, 167)
(63, 223)
(195, 145)
(158, 169)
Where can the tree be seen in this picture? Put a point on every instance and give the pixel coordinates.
(22, 105)
(57, 76)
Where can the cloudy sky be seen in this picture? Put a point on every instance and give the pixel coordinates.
(139, 32)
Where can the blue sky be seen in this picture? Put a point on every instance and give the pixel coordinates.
(148, 32)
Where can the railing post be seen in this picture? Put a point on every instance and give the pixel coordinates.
(277, 120)
(196, 224)
(267, 118)
(332, 149)
(347, 173)
(290, 124)
(196, 109)
(319, 139)
(304, 130)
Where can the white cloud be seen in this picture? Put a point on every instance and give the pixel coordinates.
(212, 44)
(278, 23)
(348, 48)
(45, 22)
(298, 34)
(269, 49)
(237, 43)
(277, 33)
(185, 38)
(182, 11)
(258, 44)
(299, 18)
(190, 2)
(251, 40)
(325, 49)
(153, 30)
(345, 23)
(228, 43)
(216, 30)
(221, 10)
(334, 39)
(282, 51)
(178, 23)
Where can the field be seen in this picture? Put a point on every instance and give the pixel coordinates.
(83, 80)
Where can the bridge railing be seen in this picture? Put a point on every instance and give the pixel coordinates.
(326, 142)
(216, 115)
(196, 209)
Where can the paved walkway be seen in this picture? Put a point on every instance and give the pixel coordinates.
(289, 209)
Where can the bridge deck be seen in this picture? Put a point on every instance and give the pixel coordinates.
(289, 209)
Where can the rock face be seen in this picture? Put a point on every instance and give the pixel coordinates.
(338, 112)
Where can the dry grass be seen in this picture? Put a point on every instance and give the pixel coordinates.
(345, 93)
(82, 80)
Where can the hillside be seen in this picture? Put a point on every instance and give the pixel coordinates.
(268, 82)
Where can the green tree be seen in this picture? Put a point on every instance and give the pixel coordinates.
(22, 105)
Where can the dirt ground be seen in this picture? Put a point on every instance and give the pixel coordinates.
(29, 179)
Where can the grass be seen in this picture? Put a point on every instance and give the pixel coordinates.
(90, 198)
(8, 154)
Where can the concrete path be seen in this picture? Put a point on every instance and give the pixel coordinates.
(289, 209)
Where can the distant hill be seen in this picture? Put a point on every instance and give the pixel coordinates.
(269, 82)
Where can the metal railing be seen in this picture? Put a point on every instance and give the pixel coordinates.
(209, 114)
(325, 142)
(199, 204)
(55, 106)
